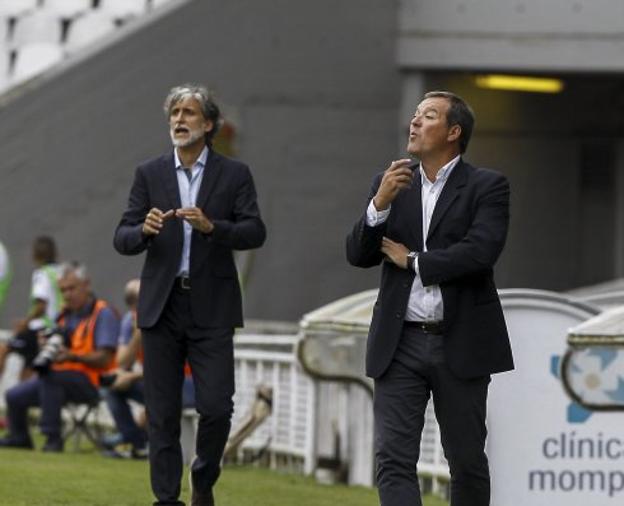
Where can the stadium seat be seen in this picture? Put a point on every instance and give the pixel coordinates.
(87, 29)
(158, 3)
(14, 8)
(4, 68)
(32, 59)
(123, 8)
(4, 31)
(36, 28)
(66, 8)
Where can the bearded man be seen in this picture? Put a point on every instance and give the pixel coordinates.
(189, 210)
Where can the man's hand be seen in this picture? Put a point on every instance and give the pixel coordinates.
(196, 217)
(64, 355)
(397, 177)
(395, 252)
(154, 221)
(123, 380)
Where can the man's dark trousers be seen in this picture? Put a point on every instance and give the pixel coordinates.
(210, 352)
(418, 369)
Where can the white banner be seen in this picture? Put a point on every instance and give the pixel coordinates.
(545, 449)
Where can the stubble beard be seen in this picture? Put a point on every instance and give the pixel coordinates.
(194, 136)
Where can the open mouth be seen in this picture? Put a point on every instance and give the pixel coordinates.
(181, 130)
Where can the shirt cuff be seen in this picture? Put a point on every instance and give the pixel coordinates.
(416, 267)
(374, 217)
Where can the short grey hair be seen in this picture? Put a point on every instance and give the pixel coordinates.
(74, 267)
(206, 100)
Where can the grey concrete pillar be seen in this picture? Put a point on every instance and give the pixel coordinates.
(413, 88)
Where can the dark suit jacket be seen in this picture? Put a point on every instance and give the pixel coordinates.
(466, 236)
(228, 198)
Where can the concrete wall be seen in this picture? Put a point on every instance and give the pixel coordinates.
(313, 90)
(562, 35)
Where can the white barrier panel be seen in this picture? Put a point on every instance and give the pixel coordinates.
(288, 433)
(544, 449)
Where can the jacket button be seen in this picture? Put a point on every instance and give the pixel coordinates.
(406, 285)
(397, 314)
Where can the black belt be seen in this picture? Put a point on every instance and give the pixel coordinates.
(426, 327)
(183, 282)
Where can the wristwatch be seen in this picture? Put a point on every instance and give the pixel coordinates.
(411, 259)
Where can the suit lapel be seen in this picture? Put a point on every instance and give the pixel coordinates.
(450, 192)
(212, 172)
(170, 182)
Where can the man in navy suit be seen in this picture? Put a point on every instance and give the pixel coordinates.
(189, 209)
(438, 328)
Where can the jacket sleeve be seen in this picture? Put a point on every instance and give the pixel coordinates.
(246, 229)
(483, 243)
(364, 242)
(129, 238)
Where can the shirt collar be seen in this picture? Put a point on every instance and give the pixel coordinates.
(443, 173)
(201, 159)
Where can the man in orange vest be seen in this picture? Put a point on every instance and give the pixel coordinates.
(68, 371)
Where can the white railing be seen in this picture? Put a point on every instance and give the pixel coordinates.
(288, 433)
(306, 413)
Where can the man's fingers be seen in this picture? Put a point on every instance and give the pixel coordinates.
(154, 220)
(398, 164)
(185, 211)
(158, 215)
(400, 176)
(148, 229)
(385, 240)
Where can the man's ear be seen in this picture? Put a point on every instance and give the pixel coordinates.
(454, 133)
(209, 126)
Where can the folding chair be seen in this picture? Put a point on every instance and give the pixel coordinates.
(83, 420)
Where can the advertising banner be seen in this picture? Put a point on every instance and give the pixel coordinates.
(545, 448)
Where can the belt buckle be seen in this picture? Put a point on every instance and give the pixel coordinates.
(185, 283)
(431, 327)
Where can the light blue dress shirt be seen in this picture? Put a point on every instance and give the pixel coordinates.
(189, 188)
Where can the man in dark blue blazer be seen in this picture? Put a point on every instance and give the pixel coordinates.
(189, 210)
(438, 329)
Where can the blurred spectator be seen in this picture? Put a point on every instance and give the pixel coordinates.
(70, 363)
(5, 274)
(45, 303)
(126, 383)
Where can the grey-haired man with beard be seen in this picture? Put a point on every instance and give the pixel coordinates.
(189, 209)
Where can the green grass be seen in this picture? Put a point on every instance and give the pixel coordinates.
(32, 478)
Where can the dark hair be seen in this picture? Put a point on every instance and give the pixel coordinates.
(459, 113)
(204, 96)
(44, 250)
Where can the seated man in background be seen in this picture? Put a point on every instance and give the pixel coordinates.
(69, 365)
(126, 383)
(5, 274)
(45, 304)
